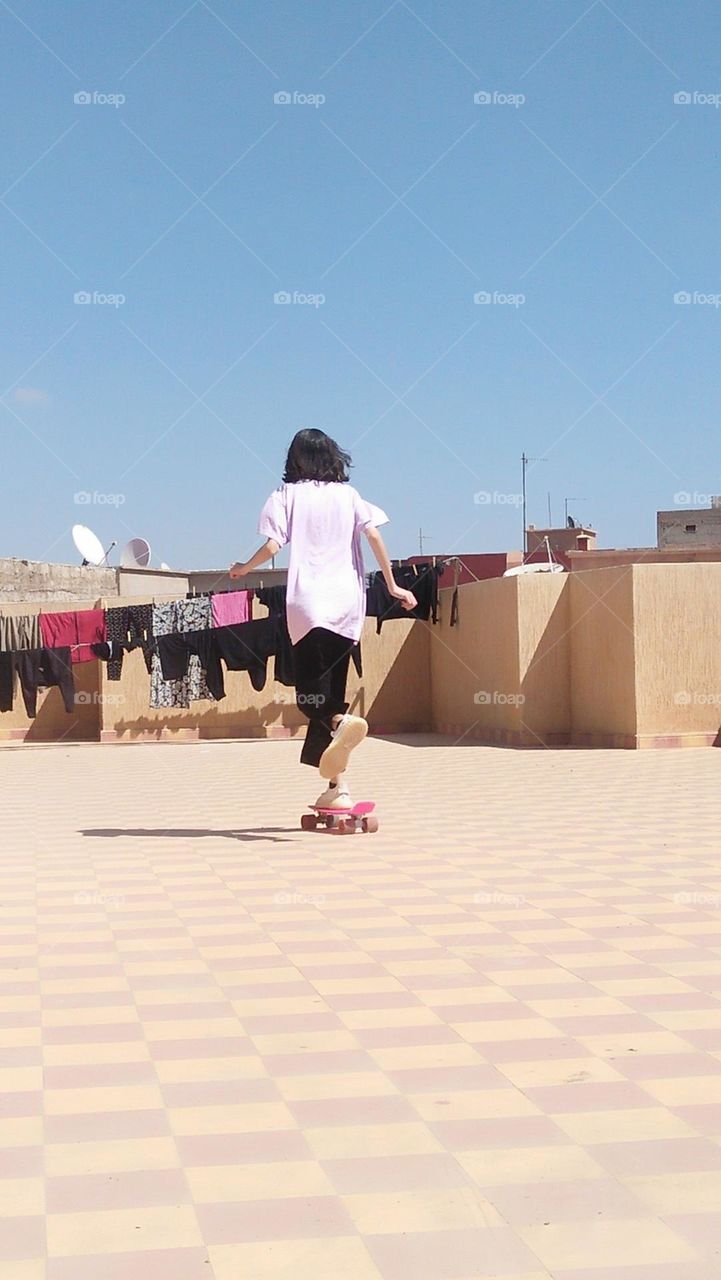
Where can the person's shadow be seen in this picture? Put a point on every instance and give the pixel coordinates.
(247, 834)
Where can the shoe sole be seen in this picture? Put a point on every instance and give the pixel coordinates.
(335, 757)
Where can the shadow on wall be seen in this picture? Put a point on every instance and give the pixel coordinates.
(208, 722)
(545, 684)
(53, 723)
(403, 697)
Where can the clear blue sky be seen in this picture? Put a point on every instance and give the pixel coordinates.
(398, 198)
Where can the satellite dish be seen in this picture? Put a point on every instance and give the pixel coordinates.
(135, 554)
(163, 565)
(521, 569)
(89, 545)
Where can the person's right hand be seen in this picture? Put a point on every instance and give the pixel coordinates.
(406, 598)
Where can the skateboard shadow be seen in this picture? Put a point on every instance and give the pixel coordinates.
(191, 833)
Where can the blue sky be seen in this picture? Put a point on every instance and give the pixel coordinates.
(580, 200)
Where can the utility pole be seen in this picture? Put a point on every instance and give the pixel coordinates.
(524, 465)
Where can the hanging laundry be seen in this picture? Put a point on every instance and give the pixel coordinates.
(229, 607)
(21, 632)
(44, 668)
(170, 618)
(421, 579)
(176, 651)
(130, 626)
(248, 647)
(76, 630)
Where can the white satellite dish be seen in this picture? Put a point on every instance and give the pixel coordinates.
(89, 545)
(163, 565)
(521, 569)
(135, 554)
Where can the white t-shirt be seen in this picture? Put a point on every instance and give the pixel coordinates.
(322, 522)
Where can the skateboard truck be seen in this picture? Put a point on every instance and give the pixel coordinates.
(346, 821)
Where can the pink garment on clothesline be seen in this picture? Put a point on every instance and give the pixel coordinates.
(231, 607)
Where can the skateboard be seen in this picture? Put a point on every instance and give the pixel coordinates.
(345, 821)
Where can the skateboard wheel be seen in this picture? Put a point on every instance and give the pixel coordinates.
(370, 824)
(308, 822)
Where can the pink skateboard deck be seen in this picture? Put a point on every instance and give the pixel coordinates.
(345, 821)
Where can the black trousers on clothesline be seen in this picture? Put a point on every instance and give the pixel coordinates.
(321, 671)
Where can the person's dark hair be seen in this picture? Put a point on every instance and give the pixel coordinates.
(314, 456)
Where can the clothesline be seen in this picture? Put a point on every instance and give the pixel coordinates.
(184, 641)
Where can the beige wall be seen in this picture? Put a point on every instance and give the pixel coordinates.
(393, 692)
(602, 654)
(678, 648)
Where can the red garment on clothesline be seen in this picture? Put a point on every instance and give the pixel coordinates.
(79, 630)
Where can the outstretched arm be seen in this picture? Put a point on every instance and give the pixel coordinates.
(378, 547)
(262, 555)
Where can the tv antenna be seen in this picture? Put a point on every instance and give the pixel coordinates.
(422, 537)
(565, 509)
(524, 467)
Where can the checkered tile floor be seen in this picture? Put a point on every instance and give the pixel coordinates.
(483, 1042)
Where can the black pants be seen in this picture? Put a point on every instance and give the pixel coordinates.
(321, 671)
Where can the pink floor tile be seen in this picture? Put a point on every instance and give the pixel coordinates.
(242, 1148)
(352, 1111)
(532, 1205)
(509, 1131)
(659, 1155)
(136, 1190)
(165, 1264)
(21, 1238)
(290, 1219)
(209, 1093)
(394, 1173)
(609, 1095)
(447, 1255)
(302, 1064)
(106, 1125)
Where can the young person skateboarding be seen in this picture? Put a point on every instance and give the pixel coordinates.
(321, 516)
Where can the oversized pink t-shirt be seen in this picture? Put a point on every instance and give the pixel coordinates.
(323, 523)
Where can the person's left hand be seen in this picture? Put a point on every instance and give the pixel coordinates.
(237, 570)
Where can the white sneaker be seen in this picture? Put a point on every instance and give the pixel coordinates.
(349, 733)
(337, 797)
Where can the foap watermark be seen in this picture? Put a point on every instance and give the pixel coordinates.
(497, 299)
(696, 698)
(498, 98)
(296, 98)
(684, 298)
(299, 699)
(693, 98)
(85, 698)
(94, 98)
(295, 299)
(486, 898)
(684, 498)
(696, 899)
(84, 498)
(486, 498)
(98, 899)
(284, 899)
(497, 698)
(83, 298)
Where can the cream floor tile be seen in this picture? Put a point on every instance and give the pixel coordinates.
(520, 1165)
(277, 1181)
(632, 1125)
(335, 1258)
(623, 1243)
(119, 1155)
(417, 1211)
(238, 1118)
(122, 1231)
(336, 1143)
